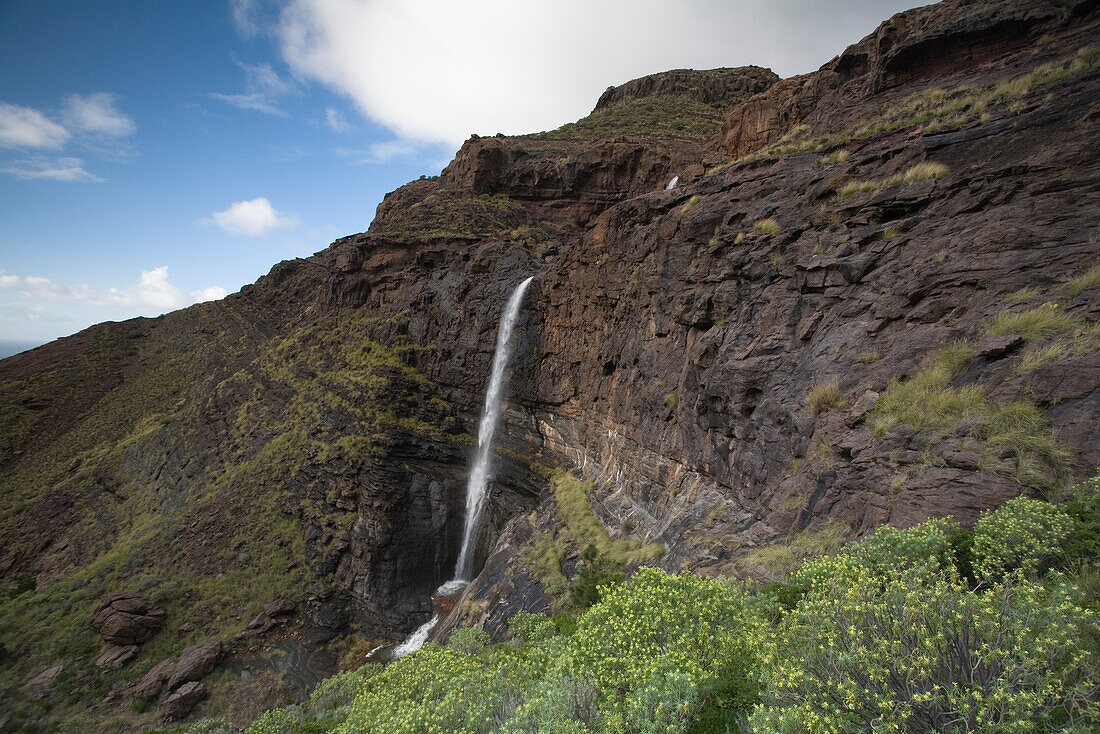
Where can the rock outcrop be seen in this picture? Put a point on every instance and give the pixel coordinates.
(127, 619)
(153, 682)
(195, 663)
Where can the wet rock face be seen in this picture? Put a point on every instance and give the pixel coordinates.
(127, 619)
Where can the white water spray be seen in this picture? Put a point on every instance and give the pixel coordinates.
(672, 184)
(477, 489)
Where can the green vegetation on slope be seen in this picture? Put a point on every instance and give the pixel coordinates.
(658, 116)
(581, 536)
(212, 556)
(936, 109)
(928, 629)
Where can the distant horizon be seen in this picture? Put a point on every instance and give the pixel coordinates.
(11, 347)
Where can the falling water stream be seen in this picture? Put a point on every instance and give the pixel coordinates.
(477, 489)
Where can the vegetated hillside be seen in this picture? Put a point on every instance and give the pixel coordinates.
(873, 298)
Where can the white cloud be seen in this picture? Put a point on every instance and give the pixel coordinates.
(97, 114)
(25, 127)
(152, 292)
(382, 152)
(336, 121)
(213, 293)
(60, 169)
(438, 70)
(263, 88)
(253, 218)
(244, 17)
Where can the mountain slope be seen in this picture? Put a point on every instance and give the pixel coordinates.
(871, 299)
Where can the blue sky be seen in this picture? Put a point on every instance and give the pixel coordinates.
(157, 153)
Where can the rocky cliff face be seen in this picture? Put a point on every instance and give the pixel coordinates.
(868, 301)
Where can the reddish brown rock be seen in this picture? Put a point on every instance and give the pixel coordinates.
(117, 656)
(127, 619)
(279, 607)
(195, 663)
(180, 702)
(152, 682)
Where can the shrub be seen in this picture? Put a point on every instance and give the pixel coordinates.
(766, 226)
(1020, 539)
(1082, 544)
(697, 635)
(469, 640)
(825, 396)
(924, 171)
(695, 199)
(913, 654)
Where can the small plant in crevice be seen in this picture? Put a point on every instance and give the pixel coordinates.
(825, 396)
(766, 226)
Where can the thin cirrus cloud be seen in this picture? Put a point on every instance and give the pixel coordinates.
(57, 169)
(152, 292)
(98, 114)
(501, 80)
(382, 152)
(338, 123)
(26, 127)
(253, 218)
(94, 121)
(264, 89)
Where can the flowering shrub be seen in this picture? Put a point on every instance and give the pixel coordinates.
(920, 654)
(885, 635)
(1019, 539)
(696, 632)
(923, 550)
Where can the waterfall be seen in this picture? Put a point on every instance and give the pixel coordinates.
(477, 488)
(672, 184)
(416, 640)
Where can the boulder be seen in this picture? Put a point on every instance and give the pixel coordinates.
(152, 682)
(124, 619)
(279, 607)
(116, 656)
(180, 702)
(40, 685)
(195, 663)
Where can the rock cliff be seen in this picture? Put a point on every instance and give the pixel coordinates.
(872, 298)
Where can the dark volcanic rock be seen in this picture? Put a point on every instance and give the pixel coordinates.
(715, 87)
(279, 607)
(195, 663)
(127, 619)
(180, 702)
